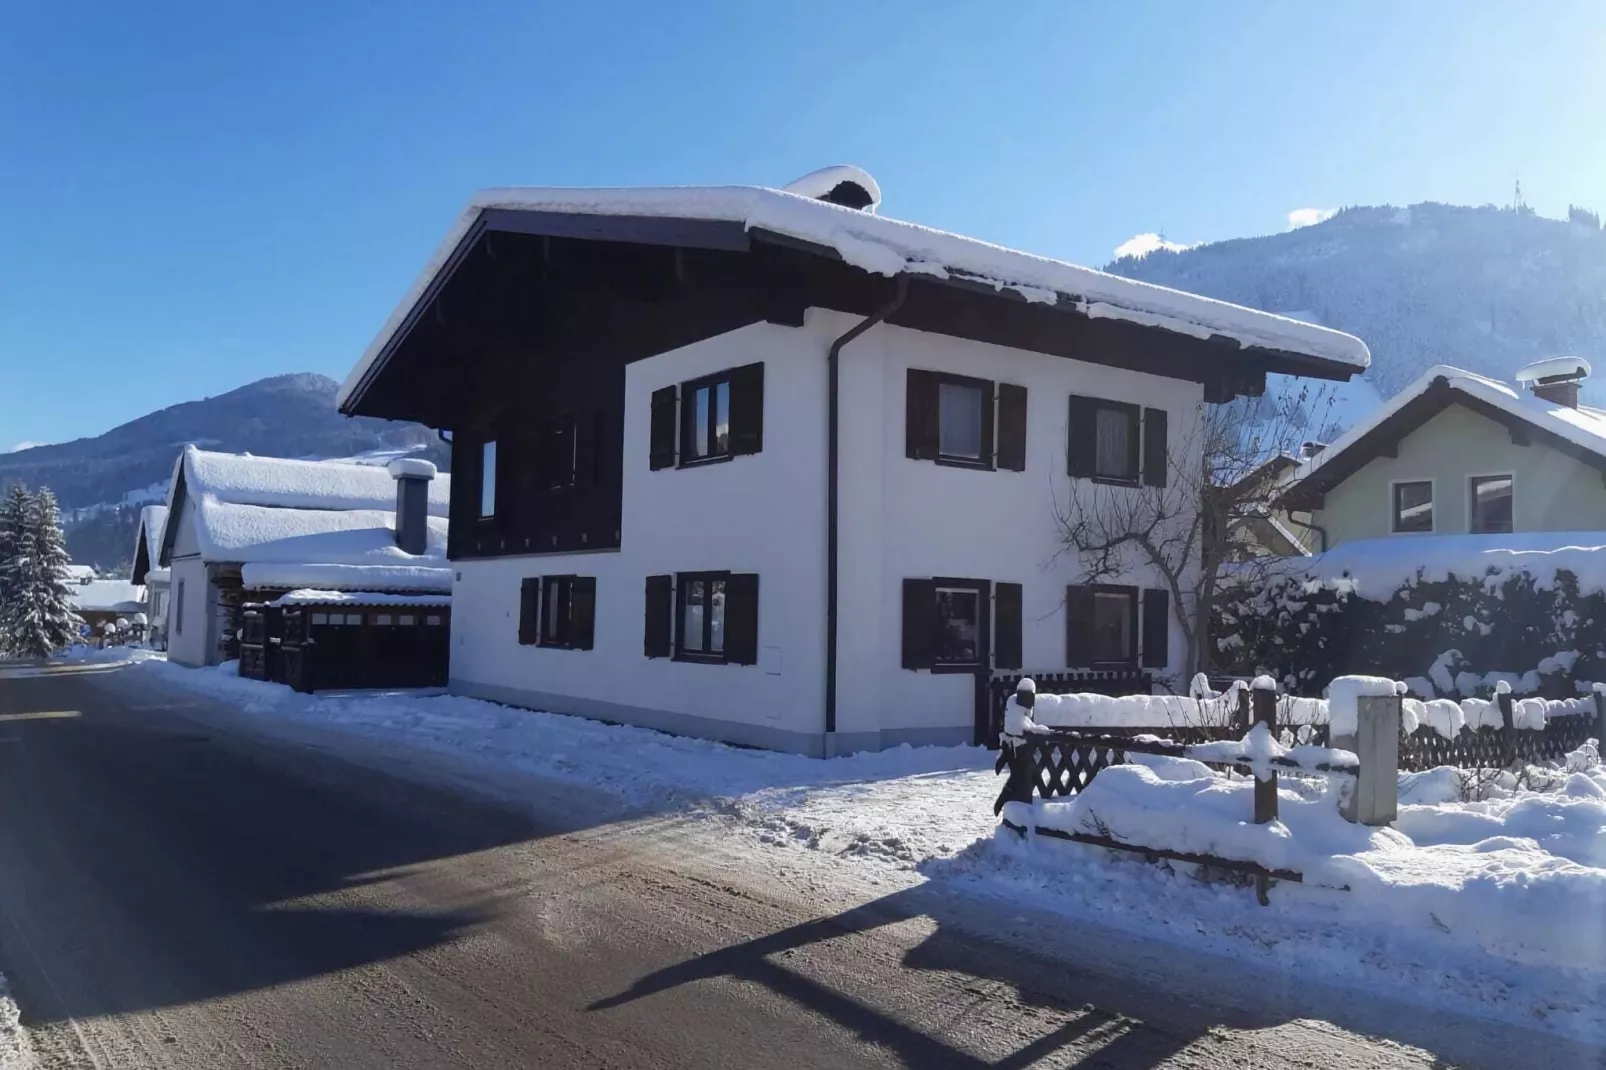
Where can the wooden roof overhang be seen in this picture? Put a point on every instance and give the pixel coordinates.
(523, 289)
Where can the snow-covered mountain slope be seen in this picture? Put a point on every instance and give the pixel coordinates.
(1484, 289)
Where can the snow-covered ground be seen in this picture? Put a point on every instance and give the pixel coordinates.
(1493, 908)
(15, 1051)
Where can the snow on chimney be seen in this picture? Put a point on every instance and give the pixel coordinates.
(843, 184)
(1307, 450)
(412, 476)
(1556, 379)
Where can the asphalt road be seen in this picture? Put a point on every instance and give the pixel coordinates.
(177, 894)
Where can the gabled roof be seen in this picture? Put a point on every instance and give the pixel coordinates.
(734, 217)
(1580, 433)
(111, 596)
(148, 540)
(301, 515)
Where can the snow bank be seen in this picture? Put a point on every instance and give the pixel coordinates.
(1376, 568)
(1129, 711)
(1343, 694)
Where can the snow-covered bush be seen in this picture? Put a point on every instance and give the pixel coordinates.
(1451, 637)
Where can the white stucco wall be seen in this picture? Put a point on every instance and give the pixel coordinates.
(190, 646)
(1550, 491)
(766, 514)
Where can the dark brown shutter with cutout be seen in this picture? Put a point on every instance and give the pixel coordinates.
(1082, 440)
(747, 409)
(1154, 447)
(1006, 626)
(660, 596)
(663, 427)
(1078, 627)
(1012, 427)
(919, 613)
(529, 610)
(741, 618)
(583, 611)
(920, 416)
(1156, 628)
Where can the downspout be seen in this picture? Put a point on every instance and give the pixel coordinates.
(833, 421)
(1308, 526)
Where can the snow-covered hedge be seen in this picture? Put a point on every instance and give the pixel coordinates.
(1445, 635)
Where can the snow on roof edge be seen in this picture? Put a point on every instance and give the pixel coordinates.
(872, 242)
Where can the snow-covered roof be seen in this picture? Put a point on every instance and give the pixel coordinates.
(884, 246)
(80, 573)
(110, 596)
(148, 540)
(308, 520)
(158, 575)
(313, 597)
(325, 576)
(1583, 428)
(243, 479)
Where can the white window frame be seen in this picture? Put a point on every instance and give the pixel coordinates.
(1433, 489)
(1472, 505)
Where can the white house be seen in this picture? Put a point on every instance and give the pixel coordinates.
(243, 528)
(763, 466)
(147, 547)
(1457, 453)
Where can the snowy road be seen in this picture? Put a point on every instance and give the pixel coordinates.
(177, 893)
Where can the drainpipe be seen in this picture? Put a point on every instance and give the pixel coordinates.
(1320, 531)
(833, 376)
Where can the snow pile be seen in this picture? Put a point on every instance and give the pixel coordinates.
(1129, 711)
(1343, 696)
(1376, 568)
(1261, 752)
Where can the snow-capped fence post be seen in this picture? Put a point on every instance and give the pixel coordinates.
(1375, 799)
(1508, 724)
(1263, 706)
(1243, 708)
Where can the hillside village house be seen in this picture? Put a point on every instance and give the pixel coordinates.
(764, 466)
(244, 529)
(147, 546)
(1459, 454)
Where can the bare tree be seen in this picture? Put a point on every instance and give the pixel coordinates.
(1224, 469)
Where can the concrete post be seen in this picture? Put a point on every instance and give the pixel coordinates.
(1376, 798)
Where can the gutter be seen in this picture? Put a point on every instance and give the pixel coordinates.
(833, 422)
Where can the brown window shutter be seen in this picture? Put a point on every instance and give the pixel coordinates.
(664, 406)
(660, 605)
(919, 613)
(583, 611)
(1156, 628)
(741, 618)
(1012, 427)
(529, 610)
(1078, 626)
(747, 409)
(1007, 626)
(920, 416)
(1154, 447)
(1082, 440)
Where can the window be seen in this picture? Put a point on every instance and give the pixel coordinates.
(705, 428)
(958, 638)
(959, 421)
(559, 456)
(558, 611)
(320, 618)
(406, 620)
(1491, 504)
(713, 418)
(433, 620)
(488, 479)
(1117, 442)
(178, 611)
(382, 619)
(702, 615)
(1114, 615)
(1413, 506)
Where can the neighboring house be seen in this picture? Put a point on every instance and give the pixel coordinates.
(1456, 453)
(99, 601)
(147, 547)
(244, 528)
(1259, 527)
(765, 467)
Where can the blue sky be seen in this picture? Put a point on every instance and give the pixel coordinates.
(193, 196)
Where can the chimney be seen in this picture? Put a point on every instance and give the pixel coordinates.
(412, 475)
(1556, 380)
(1307, 450)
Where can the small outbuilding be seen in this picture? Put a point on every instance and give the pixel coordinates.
(312, 640)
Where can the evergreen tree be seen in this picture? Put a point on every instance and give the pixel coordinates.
(40, 618)
(13, 521)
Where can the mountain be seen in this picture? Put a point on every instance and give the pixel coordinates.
(1487, 289)
(102, 481)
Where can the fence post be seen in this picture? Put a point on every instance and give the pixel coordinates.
(1600, 713)
(1508, 741)
(1263, 705)
(1243, 708)
(1376, 798)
